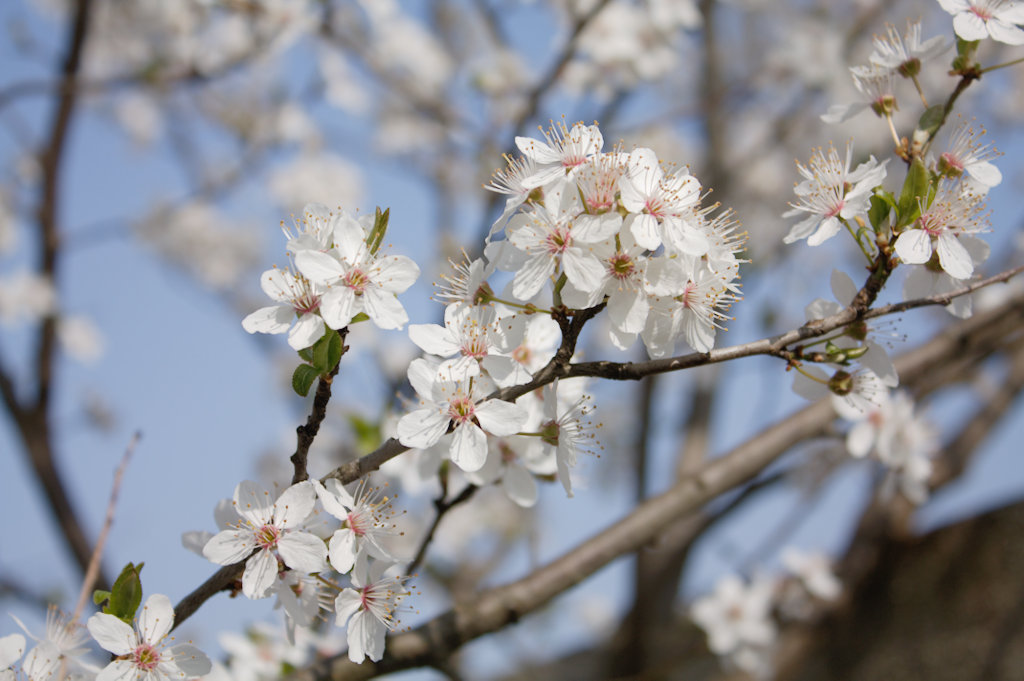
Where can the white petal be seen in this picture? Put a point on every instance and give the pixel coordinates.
(396, 273)
(433, 338)
(302, 551)
(12, 647)
(273, 319)
(342, 551)
(346, 604)
(190, 660)
(307, 331)
(229, 546)
(531, 277)
(335, 498)
(469, 447)
(953, 257)
(583, 269)
(914, 246)
(294, 505)
(520, 486)
(112, 634)
(860, 439)
(501, 418)
(969, 26)
(1005, 33)
(985, 173)
(422, 428)
(278, 284)
(319, 267)
(338, 306)
(118, 670)
(422, 375)
(645, 230)
(260, 573)
(843, 287)
(156, 618)
(253, 503)
(384, 309)
(829, 228)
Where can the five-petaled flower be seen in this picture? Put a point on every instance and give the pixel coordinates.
(141, 652)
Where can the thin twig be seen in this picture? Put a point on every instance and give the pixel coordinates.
(93, 571)
(442, 507)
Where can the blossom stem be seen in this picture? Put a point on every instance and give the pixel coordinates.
(860, 243)
(1003, 65)
(920, 92)
(816, 379)
(327, 582)
(521, 306)
(892, 129)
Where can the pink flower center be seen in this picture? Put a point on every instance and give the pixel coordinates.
(146, 657)
(267, 536)
(654, 207)
(306, 304)
(357, 280)
(689, 295)
(983, 13)
(558, 240)
(475, 347)
(621, 266)
(549, 433)
(358, 523)
(950, 161)
(461, 410)
(522, 354)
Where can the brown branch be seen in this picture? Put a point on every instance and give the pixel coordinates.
(498, 607)
(33, 421)
(442, 507)
(305, 434)
(806, 423)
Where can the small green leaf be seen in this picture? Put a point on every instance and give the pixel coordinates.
(380, 228)
(914, 187)
(878, 214)
(307, 355)
(931, 119)
(321, 350)
(126, 594)
(302, 379)
(98, 596)
(367, 433)
(335, 348)
(361, 317)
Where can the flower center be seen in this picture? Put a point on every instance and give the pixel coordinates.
(558, 240)
(357, 522)
(146, 657)
(267, 536)
(522, 354)
(549, 433)
(983, 13)
(621, 266)
(461, 410)
(357, 280)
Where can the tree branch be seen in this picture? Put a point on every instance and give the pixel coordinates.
(498, 607)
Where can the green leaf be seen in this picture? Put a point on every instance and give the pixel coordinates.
(931, 119)
(914, 187)
(321, 350)
(302, 379)
(367, 433)
(881, 206)
(380, 228)
(307, 355)
(126, 594)
(361, 317)
(335, 348)
(98, 596)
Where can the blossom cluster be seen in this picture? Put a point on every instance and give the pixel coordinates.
(142, 650)
(742, 618)
(581, 228)
(289, 551)
(338, 273)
